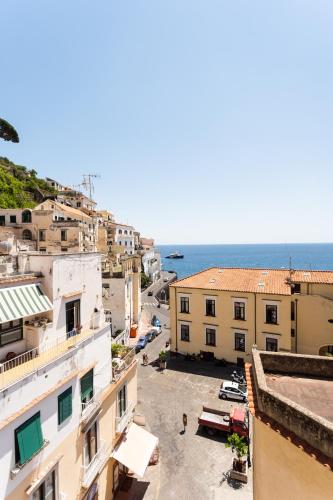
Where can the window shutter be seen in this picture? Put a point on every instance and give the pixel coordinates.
(29, 438)
(87, 386)
(64, 405)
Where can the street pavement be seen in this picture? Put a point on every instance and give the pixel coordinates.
(191, 464)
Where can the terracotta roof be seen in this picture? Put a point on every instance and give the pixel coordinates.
(275, 426)
(235, 279)
(65, 208)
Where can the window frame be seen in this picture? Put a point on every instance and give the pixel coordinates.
(184, 337)
(212, 331)
(10, 329)
(87, 444)
(238, 308)
(41, 484)
(122, 401)
(184, 301)
(213, 303)
(63, 234)
(62, 397)
(42, 234)
(238, 337)
(269, 339)
(12, 219)
(268, 320)
(32, 422)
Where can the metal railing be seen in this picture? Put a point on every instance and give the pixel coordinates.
(119, 338)
(123, 421)
(90, 471)
(29, 361)
(91, 406)
(119, 365)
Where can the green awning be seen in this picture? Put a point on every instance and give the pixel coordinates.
(20, 301)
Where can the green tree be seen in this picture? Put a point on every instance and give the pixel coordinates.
(237, 443)
(8, 132)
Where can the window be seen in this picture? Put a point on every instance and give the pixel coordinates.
(292, 311)
(125, 232)
(122, 401)
(239, 310)
(210, 307)
(12, 219)
(28, 439)
(64, 405)
(26, 216)
(210, 336)
(41, 234)
(239, 341)
(64, 249)
(184, 305)
(90, 443)
(73, 316)
(47, 489)
(125, 243)
(2, 220)
(42, 249)
(292, 332)
(27, 234)
(295, 288)
(271, 314)
(78, 204)
(120, 231)
(63, 235)
(87, 387)
(271, 344)
(10, 332)
(185, 333)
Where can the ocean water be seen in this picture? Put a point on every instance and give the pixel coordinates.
(198, 257)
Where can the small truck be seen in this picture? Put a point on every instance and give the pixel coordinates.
(236, 421)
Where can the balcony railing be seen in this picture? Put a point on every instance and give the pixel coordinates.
(121, 364)
(91, 406)
(29, 361)
(123, 421)
(90, 471)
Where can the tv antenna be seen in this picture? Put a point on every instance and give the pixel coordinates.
(88, 183)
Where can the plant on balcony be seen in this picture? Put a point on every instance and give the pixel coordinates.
(115, 350)
(237, 444)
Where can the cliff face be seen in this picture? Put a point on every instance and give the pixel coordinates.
(20, 187)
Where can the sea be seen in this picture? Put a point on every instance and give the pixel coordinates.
(315, 256)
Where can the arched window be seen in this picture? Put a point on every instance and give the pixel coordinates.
(326, 350)
(26, 216)
(26, 234)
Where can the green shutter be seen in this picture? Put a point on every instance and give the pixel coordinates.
(87, 386)
(29, 438)
(64, 405)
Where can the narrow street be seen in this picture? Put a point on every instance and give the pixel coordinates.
(191, 465)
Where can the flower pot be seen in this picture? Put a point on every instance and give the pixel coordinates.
(162, 365)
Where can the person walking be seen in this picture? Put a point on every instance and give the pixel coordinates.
(184, 422)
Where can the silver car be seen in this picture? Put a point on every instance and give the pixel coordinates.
(231, 390)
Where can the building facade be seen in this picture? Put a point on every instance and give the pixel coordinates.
(223, 312)
(65, 405)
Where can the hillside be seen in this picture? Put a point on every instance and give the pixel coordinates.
(20, 187)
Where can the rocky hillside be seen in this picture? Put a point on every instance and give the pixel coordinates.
(20, 187)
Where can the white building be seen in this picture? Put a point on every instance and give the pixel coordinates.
(64, 407)
(151, 262)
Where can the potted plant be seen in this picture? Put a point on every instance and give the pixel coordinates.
(163, 359)
(237, 444)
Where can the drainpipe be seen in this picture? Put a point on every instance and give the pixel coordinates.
(296, 300)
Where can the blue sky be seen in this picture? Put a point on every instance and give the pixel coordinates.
(208, 121)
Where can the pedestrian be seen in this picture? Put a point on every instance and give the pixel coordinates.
(184, 422)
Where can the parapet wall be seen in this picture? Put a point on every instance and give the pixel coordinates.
(313, 429)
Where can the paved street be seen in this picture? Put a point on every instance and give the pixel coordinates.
(191, 464)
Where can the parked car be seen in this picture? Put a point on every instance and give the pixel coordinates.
(150, 335)
(157, 330)
(231, 390)
(150, 293)
(155, 321)
(141, 343)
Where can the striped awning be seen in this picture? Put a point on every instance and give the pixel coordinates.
(19, 301)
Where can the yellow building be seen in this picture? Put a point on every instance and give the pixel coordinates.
(223, 312)
(291, 400)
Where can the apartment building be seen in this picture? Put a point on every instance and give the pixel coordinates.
(121, 238)
(122, 295)
(290, 399)
(223, 312)
(52, 226)
(66, 406)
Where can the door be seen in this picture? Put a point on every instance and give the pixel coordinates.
(73, 315)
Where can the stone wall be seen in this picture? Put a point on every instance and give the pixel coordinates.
(315, 366)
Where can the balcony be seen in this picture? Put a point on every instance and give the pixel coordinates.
(123, 421)
(89, 408)
(122, 358)
(90, 471)
(29, 361)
